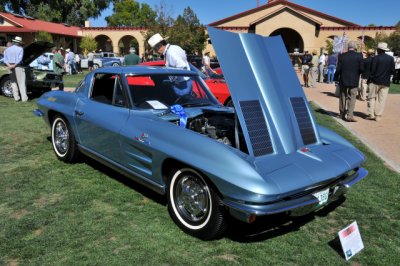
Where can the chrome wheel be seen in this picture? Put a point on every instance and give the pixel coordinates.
(60, 137)
(63, 140)
(192, 198)
(6, 88)
(194, 206)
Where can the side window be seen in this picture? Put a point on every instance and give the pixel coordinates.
(103, 88)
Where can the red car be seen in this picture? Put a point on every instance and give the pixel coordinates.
(216, 84)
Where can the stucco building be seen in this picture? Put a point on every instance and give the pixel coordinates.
(299, 26)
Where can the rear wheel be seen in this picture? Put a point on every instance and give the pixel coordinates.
(115, 64)
(63, 140)
(194, 206)
(96, 66)
(5, 87)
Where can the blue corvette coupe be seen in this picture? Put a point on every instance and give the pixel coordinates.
(163, 128)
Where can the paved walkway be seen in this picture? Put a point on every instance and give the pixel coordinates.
(382, 137)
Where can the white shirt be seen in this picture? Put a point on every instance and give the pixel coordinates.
(13, 54)
(322, 59)
(175, 57)
(206, 60)
(397, 62)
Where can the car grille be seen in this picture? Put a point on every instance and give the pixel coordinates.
(53, 76)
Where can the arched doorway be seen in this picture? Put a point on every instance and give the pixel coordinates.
(126, 42)
(104, 43)
(291, 38)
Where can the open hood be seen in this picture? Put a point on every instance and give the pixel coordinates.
(267, 95)
(34, 50)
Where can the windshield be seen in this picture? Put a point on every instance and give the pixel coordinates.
(161, 91)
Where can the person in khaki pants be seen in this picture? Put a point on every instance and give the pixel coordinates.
(12, 58)
(349, 67)
(314, 69)
(382, 68)
(363, 92)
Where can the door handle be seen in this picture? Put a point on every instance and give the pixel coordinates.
(78, 113)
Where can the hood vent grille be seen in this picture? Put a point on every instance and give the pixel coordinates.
(303, 120)
(256, 127)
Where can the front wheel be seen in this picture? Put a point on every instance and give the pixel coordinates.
(5, 87)
(115, 65)
(96, 66)
(63, 140)
(194, 206)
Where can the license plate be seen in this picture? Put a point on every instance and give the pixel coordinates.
(322, 196)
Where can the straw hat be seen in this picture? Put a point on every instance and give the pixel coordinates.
(383, 46)
(156, 39)
(17, 39)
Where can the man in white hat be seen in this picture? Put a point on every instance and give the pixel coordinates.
(175, 57)
(13, 56)
(382, 67)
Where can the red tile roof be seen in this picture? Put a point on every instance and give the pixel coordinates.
(28, 24)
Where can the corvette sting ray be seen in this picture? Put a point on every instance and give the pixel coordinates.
(163, 128)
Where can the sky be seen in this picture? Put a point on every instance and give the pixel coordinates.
(362, 12)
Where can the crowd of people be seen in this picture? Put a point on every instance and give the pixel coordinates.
(366, 76)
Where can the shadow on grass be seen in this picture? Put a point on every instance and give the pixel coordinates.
(148, 193)
(336, 114)
(336, 246)
(271, 226)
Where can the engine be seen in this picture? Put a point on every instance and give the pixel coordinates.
(218, 127)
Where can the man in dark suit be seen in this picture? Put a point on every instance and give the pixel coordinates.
(349, 68)
(382, 68)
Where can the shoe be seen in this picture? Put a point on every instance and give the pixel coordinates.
(378, 118)
(351, 120)
(370, 117)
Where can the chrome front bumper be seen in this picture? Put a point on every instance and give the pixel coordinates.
(295, 207)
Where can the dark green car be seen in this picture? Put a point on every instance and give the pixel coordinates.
(37, 81)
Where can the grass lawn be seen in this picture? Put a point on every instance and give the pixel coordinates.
(394, 88)
(70, 81)
(52, 213)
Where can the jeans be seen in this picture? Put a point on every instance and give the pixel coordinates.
(331, 73)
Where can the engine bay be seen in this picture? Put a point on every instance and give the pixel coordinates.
(221, 127)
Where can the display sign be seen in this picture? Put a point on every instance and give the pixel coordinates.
(351, 241)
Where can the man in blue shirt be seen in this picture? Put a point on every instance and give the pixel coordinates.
(13, 58)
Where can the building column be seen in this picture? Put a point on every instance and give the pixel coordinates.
(141, 48)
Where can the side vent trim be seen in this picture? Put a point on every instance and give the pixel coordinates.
(256, 127)
(303, 120)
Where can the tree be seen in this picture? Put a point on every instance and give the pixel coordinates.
(329, 46)
(189, 33)
(60, 11)
(88, 43)
(186, 31)
(131, 13)
(163, 23)
(394, 40)
(44, 36)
